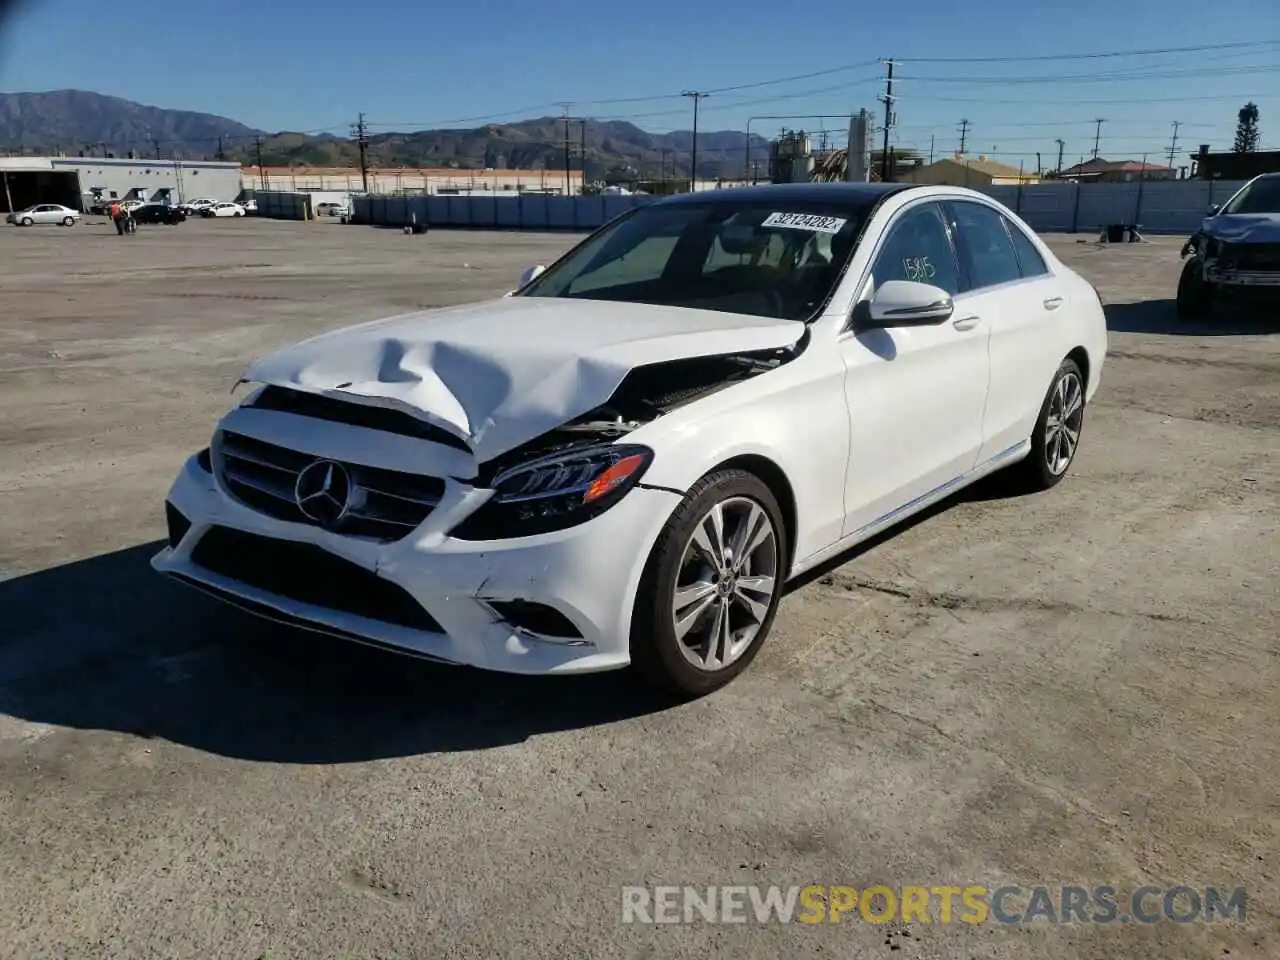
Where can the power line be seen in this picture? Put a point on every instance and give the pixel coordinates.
(1130, 101)
(1100, 77)
(1095, 56)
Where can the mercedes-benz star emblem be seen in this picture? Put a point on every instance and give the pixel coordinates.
(323, 492)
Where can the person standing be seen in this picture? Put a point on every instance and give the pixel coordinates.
(117, 218)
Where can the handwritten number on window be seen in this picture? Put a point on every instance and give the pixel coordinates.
(918, 269)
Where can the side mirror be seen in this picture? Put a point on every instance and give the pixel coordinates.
(531, 274)
(903, 303)
(1214, 208)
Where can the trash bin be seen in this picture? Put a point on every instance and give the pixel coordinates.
(1116, 233)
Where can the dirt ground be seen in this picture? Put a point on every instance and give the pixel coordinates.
(1074, 688)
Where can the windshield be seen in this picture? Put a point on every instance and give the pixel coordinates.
(1261, 196)
(777, 259)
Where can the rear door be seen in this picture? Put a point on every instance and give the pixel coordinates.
(1012, 287)
(915, 394)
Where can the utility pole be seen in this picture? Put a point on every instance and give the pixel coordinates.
(361, 132)
(1173, 145)
(582, 134)
(565, 107)
(931, 149)
(695, 95)
(262, 171)
(1061, 145)
(964, 135)
(887, 97)
(1097, 136)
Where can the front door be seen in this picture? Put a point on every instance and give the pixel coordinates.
(1011, 287)
(915, 394)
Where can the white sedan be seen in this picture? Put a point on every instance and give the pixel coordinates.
(624, 461)
(44, 213)
(223, 209)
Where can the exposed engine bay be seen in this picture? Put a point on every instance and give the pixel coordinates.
(644, 395)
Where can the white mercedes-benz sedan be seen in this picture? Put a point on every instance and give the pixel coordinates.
(624, 460)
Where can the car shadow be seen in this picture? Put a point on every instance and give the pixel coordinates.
(1161, 316)
(995, 486)
(106, 643)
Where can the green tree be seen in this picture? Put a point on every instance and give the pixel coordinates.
(1247, 129)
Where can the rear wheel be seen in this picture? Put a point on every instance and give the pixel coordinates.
(711, 587)
(1056, 436)
(1195, 295)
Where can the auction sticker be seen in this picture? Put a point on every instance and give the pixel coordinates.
(805, 221)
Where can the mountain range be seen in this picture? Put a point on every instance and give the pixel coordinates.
(76, 121)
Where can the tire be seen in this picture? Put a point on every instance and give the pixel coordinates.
(658, 651)
(1195, 297)
(68, 221)
(27, 222)
(239, 214)
(1045, 465)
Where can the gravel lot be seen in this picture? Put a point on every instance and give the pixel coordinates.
(1074, 688)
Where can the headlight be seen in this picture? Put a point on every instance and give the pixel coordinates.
(558, 491)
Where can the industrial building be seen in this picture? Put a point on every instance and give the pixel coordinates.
(412, 180)
(980, 171)
(1233, 166)
(80, 182)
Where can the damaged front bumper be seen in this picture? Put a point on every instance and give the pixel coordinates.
(1242, 278)
(554, 603)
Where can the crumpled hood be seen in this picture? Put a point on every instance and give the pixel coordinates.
(500, 373)
(1243, 227)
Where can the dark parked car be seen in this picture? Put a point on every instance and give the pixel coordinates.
(1236, 250)
(158, 213)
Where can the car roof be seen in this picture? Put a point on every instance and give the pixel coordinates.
(855, 194)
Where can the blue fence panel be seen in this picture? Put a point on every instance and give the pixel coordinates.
(510, 211)
(533, 212)
(561, 213)
(437, 211)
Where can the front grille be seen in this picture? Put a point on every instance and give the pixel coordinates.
(1250, 256)
(308, 574)
(317, 407)
(385, 505)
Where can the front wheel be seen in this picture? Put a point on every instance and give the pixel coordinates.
(68, 221)
(1056, 436)
(1195, 295)
(712, 585)
(27, 221)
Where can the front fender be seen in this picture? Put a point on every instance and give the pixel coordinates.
(795, 417)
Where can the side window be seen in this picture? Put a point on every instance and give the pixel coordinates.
(982, 240)
(917, 248)
(1029, 258)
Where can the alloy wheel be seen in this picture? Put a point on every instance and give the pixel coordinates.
(1062, 425)
(726, 585)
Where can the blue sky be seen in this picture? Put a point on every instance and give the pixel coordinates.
(286, 64)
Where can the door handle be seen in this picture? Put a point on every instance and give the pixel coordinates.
(1053, 303)
(966, 323)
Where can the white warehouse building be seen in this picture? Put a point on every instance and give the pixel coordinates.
(79, 182)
